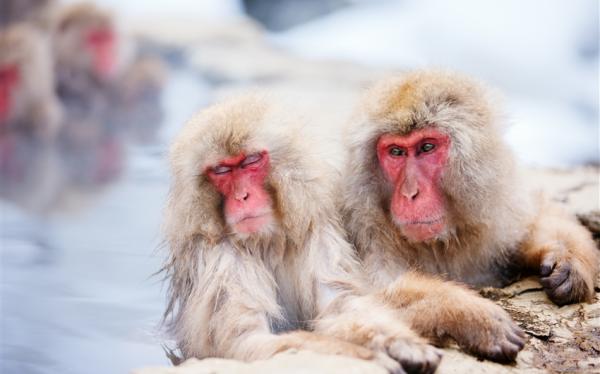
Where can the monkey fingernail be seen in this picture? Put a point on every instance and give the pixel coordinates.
(517, 340)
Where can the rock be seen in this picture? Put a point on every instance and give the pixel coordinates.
(561, 339)
(576, 189)
(591, 220)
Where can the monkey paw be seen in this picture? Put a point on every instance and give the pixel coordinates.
(491, 333)
(392, 366)
(563, 280)
(415, 356)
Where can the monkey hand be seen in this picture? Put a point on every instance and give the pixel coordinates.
(413, 353)
(564, 277)
(488, 331)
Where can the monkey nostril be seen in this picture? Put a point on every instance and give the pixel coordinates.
(241, 196)
(410, 195)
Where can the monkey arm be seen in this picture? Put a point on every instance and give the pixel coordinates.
(563, 253)
(233, 309)
(440, 310)
(226, 306)
(346, 311)
(362, 320)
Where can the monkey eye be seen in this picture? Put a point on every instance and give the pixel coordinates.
(427, 147)
(396, 151)
(252, 159)
(221, 169)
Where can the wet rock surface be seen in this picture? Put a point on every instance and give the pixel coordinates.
(239, 58)
(561, 339)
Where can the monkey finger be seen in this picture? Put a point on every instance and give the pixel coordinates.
(519, 331)
(514, 334)
(516, 339)
(511, 351)
(392, 366)
(558, 276)
(516, 329)
(547, 265)
(415, 358)
(505, 352)
(494, 354)
(563, 294)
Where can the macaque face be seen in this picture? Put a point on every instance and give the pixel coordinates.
(9, 81)
(100, 42)
(241, 182)
(412, 164)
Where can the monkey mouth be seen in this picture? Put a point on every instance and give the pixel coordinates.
(422, 230)
(252, 223)
(251, 217)
(430, 221)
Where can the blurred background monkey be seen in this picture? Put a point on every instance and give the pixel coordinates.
(28, 103)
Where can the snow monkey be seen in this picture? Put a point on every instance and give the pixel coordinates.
(431, 186)
(28, 104)
(86, 49)
(258, 263)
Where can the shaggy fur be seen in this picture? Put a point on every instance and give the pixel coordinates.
(296, 286)
(496, 230)
(35, 109)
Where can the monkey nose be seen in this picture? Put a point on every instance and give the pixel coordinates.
(410, 194)
(242, 196)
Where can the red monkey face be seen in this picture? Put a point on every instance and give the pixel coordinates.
(101, 43)
(413, 165)
(241, 182)
(9, 79)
